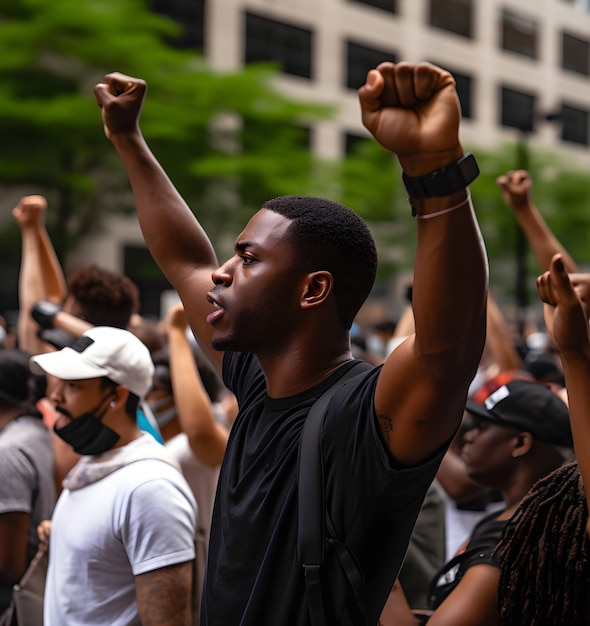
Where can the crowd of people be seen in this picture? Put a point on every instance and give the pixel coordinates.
(157, 462)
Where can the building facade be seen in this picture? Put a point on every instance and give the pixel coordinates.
(520, 66)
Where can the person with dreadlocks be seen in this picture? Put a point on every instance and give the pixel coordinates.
(545, 572)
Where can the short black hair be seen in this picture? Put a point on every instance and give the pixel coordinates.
(332, 237)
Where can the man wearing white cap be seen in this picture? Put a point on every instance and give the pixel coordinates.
(121, 542)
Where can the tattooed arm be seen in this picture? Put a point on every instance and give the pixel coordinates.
(164, 595)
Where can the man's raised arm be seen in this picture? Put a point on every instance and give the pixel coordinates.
(413, 111)
(173, 235)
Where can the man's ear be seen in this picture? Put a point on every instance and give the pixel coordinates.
(317, 288)
(119, 398)
(524, 442)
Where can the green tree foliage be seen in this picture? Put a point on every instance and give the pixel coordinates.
(561, 191)
(227, 140)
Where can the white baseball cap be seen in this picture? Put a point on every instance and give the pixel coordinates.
(101, 351)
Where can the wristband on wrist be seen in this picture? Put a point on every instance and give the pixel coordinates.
(443, 182)
(427, 216)
(44, 312)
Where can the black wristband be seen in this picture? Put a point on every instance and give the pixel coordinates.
(445, 181)
(44, 312)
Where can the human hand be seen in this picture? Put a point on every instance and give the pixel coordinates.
(566, 310)
(43, 532)
(413, 111)
(175, 318)
(516, 188)
(121, 99)
(30, 211)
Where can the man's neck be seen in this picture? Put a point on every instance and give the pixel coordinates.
(287, 377)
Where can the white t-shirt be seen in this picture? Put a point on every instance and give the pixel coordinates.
(201, 478)
(139, 518)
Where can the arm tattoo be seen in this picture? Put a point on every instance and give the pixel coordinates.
(164, 595)
(386, 426)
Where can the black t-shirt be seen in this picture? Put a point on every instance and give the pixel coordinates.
(481, 548)
(253, 576)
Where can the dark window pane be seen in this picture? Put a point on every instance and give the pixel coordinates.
(464, 91)
(581, 4)
(360, 59)
(574, 125)
(517, 109)
(574, 54)
(519, 34)
(351, 141)
(385, 5)
(455, 16)
(287, 45)
(190, 16)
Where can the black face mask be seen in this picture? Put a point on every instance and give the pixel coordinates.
(88, 435)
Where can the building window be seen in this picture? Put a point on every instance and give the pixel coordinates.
(519, 34)
(455, 16)
(574, 125)
(360, 59)
(580, 4)
(518, 109)
(575, 53)
(386, 5)
(287, 45)
(464, 86)
(351, 141)
(189, 15)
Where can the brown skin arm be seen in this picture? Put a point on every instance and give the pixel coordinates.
(207, 437)
(501, 346)
(472, 603)
(517, 187)
(13, 546)
(567, 302)
(164, 595)
(413, 111)
(174, 237)
(40, 276)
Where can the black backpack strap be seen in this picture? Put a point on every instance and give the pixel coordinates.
(311, 528)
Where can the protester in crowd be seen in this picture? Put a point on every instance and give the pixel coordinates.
(281, 308)
(121, 541)
(52, 313)
(545, 550)
(27, 492)
(519, 434)
(517, 189)
(517, 192)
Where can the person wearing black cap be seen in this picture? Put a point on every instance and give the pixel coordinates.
(519, 434)
(27, 492)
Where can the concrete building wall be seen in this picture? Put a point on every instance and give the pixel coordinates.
(408, 34)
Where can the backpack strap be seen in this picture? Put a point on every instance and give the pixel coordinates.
(311, 525)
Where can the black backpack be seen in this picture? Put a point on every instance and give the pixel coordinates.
(315, 533)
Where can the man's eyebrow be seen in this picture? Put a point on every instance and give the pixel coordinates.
(242, 245)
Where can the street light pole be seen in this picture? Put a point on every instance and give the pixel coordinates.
(521, 250)
(521, 244)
